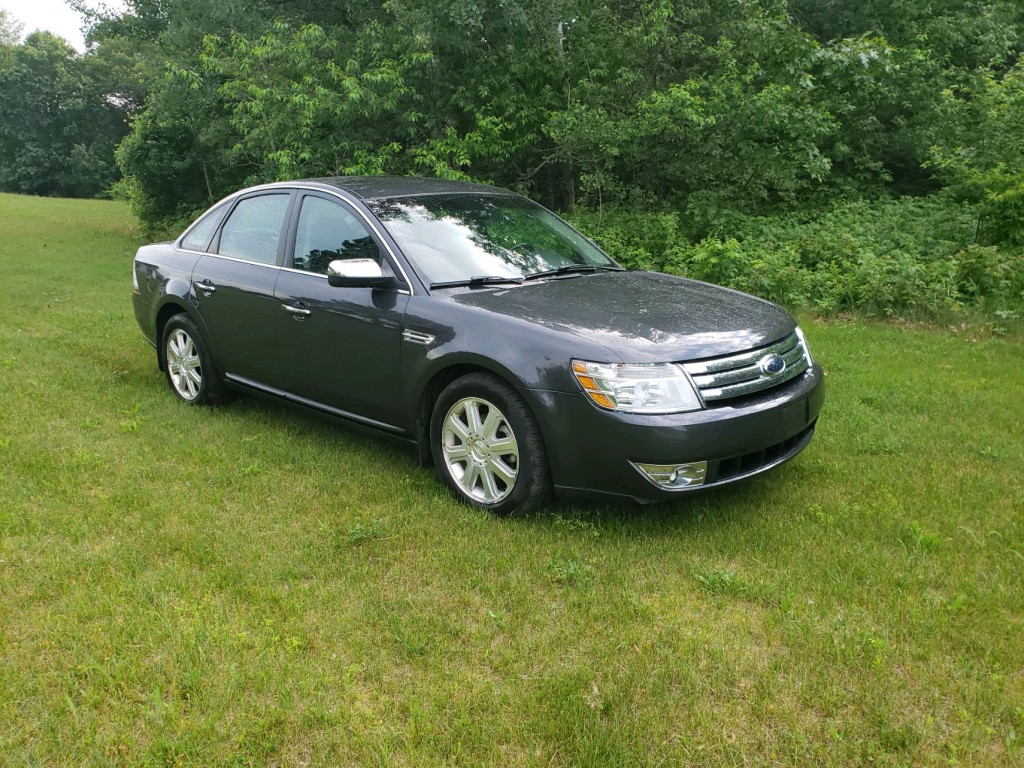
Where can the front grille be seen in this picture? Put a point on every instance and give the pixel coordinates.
(722, 378)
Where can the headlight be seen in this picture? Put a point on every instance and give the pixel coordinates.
(637, 388)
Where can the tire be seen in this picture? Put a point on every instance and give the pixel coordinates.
(487, 447)
(188, 363)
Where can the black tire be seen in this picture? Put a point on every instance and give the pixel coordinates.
(487, 447)
(188, 364)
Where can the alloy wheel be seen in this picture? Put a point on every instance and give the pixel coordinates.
(183, 364)
(480, 450)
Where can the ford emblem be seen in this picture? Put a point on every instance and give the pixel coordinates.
(771, 365)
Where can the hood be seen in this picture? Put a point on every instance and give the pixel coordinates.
(642, 316)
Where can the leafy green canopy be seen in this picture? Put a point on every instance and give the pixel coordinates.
(58, 128)
(708, 108)
(703, 105)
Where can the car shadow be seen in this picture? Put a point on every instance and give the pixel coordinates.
(723, 506)
(714, 508)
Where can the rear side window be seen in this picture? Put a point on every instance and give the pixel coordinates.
(253, 230)
(198, 238)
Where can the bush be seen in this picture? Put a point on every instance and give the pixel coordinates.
(904, 256)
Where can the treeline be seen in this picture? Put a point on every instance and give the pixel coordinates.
(59, 121)
(714, 113)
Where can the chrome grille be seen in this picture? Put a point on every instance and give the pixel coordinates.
(749, 372)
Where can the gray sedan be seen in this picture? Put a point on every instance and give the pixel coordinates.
(516, 356)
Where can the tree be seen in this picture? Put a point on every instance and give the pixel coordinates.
(177, 159)
(57, 129)
(707, 106)
(983, 157)
(10, 35)
(10, 29)
(702, 105)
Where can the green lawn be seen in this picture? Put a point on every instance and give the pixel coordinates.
(252, 586)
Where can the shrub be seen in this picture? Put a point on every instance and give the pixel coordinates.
(903, 256)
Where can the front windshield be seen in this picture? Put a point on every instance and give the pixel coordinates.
(453, 238)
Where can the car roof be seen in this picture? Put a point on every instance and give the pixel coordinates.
(373, 187)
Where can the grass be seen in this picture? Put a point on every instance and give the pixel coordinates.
(251, 586)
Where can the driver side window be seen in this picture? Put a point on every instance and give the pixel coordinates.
(328, 231)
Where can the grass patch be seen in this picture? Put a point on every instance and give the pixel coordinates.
(247, 585)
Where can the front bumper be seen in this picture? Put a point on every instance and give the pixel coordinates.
(590, 450)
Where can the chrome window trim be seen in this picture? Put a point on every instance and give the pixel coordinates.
(226, 203)
(411, 291)
(230, 258)
(229, 202)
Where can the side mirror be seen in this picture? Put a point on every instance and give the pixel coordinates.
(357, 273)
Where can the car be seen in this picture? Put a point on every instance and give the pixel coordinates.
(517, 357)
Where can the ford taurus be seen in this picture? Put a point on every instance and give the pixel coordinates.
(514, 354)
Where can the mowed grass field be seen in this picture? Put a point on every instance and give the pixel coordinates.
(249, 585)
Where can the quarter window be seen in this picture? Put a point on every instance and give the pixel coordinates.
(328, 231)
(198, 238)
(253, 230)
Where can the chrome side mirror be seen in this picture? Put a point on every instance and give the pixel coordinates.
(357, 273)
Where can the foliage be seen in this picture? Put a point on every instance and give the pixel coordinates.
(300, 110)
(896, 122)
(986, 162)
(903, 256)
(704, 107)
(884, 117)
(702, 110)
(175, 160)
(57, 128)
(10, 30)
(960, 35)
(178, 158)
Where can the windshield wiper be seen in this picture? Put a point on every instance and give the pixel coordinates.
(478, 280)
(573, 269)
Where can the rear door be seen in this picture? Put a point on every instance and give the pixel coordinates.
(340, 347)
(233, 287)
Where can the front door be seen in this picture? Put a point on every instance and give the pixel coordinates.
(340, 347)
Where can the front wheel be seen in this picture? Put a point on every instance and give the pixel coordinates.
(190, 369)
(487, 447)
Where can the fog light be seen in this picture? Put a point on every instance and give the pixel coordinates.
(673, 477)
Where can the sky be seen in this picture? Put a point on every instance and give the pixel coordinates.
(51, 15)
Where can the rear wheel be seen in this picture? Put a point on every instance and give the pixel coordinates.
(487, 447)
(189, 366)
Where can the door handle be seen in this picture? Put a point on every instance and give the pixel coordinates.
(299, 313)
(205, 286)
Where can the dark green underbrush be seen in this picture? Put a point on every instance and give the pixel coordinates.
(915, 257)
